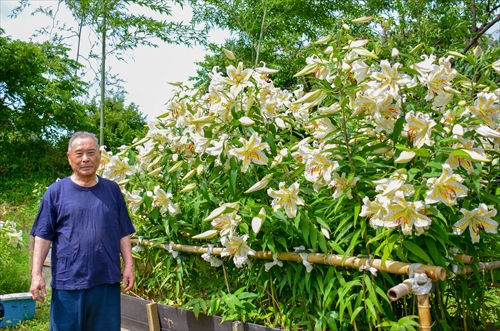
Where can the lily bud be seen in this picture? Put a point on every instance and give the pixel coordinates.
(188, 187)
(189, 174)
(246, 121)
(266, 71)
(199, 169)
(405, 157)
(175, 83)
(312, 97)
(364, 52)
(258, 221)
(215, 213)
(478, 51)
(456, 54)
(229, 54)
(203, 120)
(155, 172)
(356, 44)
(206, 235)
(310, 68)
(176, 167)
(395, 52)
(261, 184)
(364, 19)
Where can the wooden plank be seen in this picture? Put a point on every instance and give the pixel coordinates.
(153, 320)
(175, 319)
(135, 318)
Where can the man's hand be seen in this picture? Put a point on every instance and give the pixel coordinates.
(128, 279)
(38, 288)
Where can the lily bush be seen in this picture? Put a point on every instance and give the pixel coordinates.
(393, 158)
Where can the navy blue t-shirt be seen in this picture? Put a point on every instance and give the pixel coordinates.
(85, 225)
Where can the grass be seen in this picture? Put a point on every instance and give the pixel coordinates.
(14, 266)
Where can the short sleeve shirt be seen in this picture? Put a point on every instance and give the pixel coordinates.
(85, 225)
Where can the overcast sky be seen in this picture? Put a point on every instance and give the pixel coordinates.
(145, 76)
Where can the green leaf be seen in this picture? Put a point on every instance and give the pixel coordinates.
(398, 128)
(487, 196)
(422, 152)
(269, 138)
(313, 235)
(305, 226)
(415, 249)
(232, 181)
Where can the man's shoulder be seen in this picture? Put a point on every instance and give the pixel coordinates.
(58, 184)
(109, 184)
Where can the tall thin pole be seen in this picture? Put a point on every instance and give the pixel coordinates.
(103, 73)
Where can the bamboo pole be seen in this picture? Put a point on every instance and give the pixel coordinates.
(482, 266)
(424, 312)
(465, 259)
(393, 267)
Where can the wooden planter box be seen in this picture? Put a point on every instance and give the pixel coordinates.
(135, 318)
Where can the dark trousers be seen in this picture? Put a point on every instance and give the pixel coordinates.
(95, 309)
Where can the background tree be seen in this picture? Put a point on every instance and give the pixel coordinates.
(123, 124)
(279, 32)
(40, 102)
(118, 26)
(272, 31)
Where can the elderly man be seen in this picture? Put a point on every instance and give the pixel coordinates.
(86, 220)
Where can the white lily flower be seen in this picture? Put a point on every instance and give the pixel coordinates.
(485, 131)
(134, 200)
(287, 198)
(419, 128)
(251, 152)
(479, 218)
(447, 188)
(236, 246)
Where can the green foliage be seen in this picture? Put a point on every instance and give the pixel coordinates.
(281, 32)
(39, 105)
(39, 95)
(123, 123)
(381, 158)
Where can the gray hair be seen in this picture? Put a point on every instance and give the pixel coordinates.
(80, 134)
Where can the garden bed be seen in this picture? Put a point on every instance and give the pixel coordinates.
(135, 318)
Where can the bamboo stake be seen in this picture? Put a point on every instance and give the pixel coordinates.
(393, 267)
(153, 319)
(424, 312)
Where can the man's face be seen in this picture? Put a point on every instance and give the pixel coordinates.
(84, 157)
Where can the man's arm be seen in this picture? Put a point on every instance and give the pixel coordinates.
(40, 251)
(128, 272)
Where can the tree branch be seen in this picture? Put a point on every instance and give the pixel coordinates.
(480, 33)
